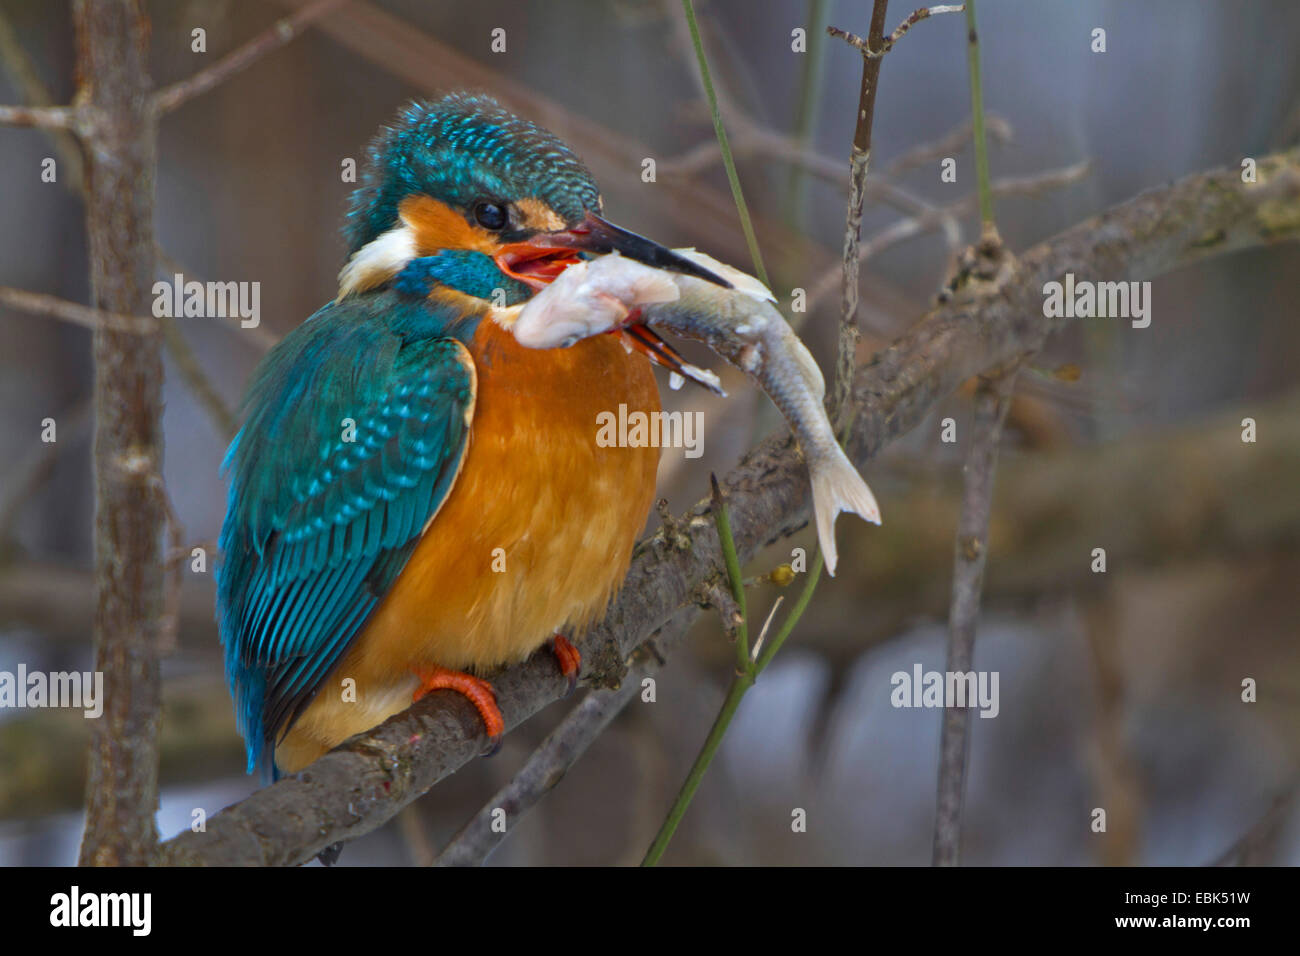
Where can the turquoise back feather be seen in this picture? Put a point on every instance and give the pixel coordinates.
(318, 526)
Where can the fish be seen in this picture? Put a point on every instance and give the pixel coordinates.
(612, 293)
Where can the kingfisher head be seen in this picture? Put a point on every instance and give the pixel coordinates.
(462, 194)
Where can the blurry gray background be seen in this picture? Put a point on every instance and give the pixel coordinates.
(1119, 690)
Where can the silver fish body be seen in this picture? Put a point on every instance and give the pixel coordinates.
(741, 324)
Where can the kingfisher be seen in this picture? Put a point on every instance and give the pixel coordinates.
(417, 500)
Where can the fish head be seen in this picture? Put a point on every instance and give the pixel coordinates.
(591, 297)
(608, 294)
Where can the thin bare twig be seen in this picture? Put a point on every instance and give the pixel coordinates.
(992, 399)
(272, 39)
(192, 374)
(179, 552)
(1255, 846)
(42, 117)
(36, 93)
(904, 229)
(990, 260)
(24, 478)
(543, 770)
(1116, 775)
(38, 303)
(746, 136)
(876, 50)
(718, 596)
(859, 166)
(169, 620)
(948, 144)
(259, 337)
(750, 137)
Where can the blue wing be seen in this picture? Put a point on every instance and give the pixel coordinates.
(357, 426)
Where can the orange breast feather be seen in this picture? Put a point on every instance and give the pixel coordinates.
(534, 538)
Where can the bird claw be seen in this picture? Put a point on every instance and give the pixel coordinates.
(330, 855)
(479, 692)
(569, 659)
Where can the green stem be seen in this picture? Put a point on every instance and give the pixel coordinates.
(722, 518)
(810, 87)
(746, 226)
(977, 120)
(740, 683)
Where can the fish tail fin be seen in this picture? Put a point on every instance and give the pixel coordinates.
(837, 487)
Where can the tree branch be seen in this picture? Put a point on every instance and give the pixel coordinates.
(1256, 847)
(58, 118)
(278, 35)
(992, 400)
(34, 92)
(259, 337)
(367, 780)
(875, 49)
(25, 477)
(122, 785)
(38, 303)
(859, 166)
(948, 144)
(903, 229)
(201, 387)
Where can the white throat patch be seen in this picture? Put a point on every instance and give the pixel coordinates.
(377, 261)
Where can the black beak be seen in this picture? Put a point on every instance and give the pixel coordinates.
(595, 234)
(599, 235)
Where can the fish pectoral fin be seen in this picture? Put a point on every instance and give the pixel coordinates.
(649, 343)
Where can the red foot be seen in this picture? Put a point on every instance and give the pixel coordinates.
(569, 659)
(479, 692)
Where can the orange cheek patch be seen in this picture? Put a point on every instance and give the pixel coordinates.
(437, 226)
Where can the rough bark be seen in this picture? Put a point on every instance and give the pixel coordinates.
(122, 783)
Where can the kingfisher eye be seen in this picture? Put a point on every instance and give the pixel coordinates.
(491, 215)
